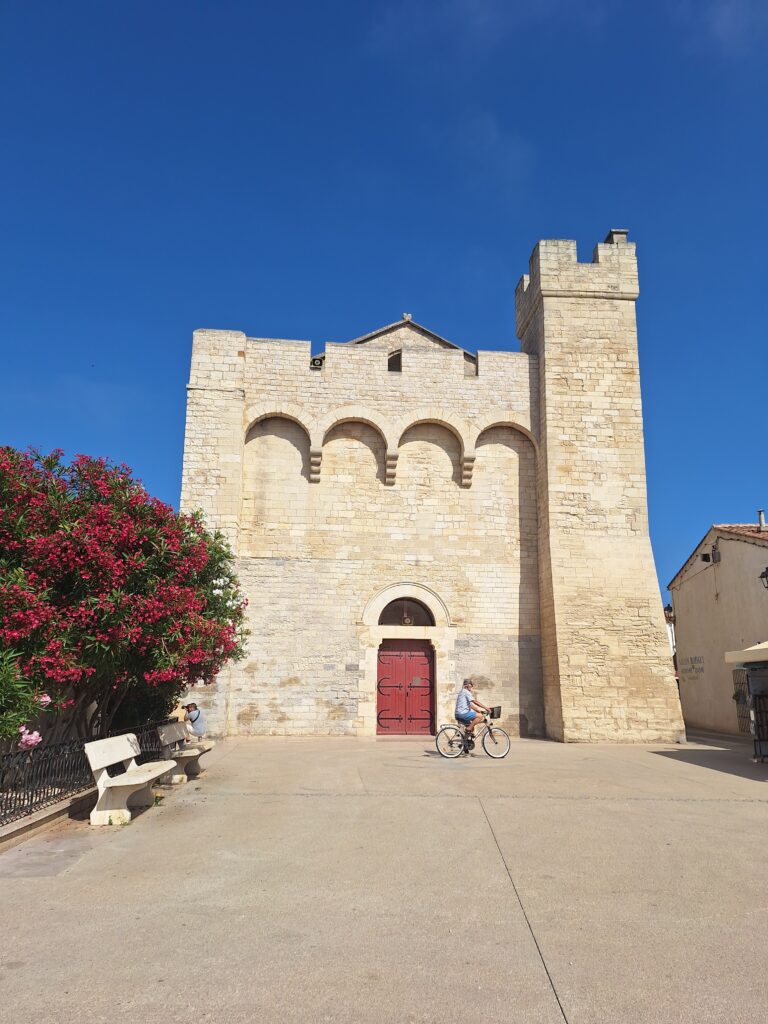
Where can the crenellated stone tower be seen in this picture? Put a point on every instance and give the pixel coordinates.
(605, 654)
(406, 513)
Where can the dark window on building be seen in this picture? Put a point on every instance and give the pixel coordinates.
(395, 362)
(406, 613)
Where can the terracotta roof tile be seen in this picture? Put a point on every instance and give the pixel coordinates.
(751, 530)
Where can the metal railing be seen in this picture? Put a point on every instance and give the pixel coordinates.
(31, 780)
(741, 696)
(149, 741)
(37, 778)
(760, 725)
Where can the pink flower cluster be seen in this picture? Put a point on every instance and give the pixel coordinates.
(28, 739)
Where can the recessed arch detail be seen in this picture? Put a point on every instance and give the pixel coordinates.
(359, 414)
(457, 426)
(499, 419)
(415, 591)
(288, 411)
(479, 427)
(256, 413)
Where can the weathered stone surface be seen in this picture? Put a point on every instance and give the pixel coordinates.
(607, 670)
(471, 484)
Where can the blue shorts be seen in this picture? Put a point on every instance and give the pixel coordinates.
(468, 718)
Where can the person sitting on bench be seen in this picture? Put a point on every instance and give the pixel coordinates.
(194, 720)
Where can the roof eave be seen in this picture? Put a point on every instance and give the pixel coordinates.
(690, 557)
(721, 529)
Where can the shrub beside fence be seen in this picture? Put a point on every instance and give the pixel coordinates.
(31, 780)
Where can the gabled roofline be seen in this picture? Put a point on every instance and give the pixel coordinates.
(408, 321)
(690, 557)
(722, 531)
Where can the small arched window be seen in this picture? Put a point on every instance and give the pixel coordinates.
(405, 612)
(395, 361)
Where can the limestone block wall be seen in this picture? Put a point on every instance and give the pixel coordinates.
(506, 491)
(608, 673)
(213, 439)
(353, 479)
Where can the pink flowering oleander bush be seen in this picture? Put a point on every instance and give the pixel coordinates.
(110, 602)
(19, 704)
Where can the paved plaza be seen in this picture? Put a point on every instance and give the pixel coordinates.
(322, 880)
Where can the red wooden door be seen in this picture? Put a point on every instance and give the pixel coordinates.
(405, 688)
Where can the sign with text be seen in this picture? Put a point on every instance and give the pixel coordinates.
(691, 668)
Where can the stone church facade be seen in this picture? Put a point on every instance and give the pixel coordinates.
(405, 514)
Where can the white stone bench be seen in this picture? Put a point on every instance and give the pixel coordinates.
(115, 791)
(185, 757)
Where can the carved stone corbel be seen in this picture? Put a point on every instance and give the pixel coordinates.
(467, 466)
(390, 466)
(315, 458)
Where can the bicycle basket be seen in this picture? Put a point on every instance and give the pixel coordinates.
(496, 712)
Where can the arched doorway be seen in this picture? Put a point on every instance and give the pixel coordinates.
(405, 688)
(408, 637)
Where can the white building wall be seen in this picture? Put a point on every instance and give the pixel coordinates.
(719, 606)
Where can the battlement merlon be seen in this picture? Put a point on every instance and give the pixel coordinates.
(554, 271)
(221, 359)
(217, 360)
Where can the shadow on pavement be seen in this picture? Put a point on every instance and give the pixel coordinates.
(734, 757)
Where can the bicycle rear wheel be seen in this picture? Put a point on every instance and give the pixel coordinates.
(449, 741)
(496, 742)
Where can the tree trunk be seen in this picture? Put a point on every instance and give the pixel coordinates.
(108, 716)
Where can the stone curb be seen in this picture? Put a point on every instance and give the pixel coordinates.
(14, 831)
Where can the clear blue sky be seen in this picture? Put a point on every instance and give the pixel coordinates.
(311, 170)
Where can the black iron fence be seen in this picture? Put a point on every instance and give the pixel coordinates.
(33, 779)
(149, 741)
(37, 778)
(760, 712)
(741, 697)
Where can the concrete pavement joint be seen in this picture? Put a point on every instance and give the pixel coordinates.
(503, 796)
(616, 865)
(630, 799)
(522, 908)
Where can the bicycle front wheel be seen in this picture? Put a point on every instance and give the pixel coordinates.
(449, 741)
(496, 742)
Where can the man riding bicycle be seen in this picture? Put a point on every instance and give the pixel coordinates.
(465, 707)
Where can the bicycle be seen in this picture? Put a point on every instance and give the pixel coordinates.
(453, 740)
